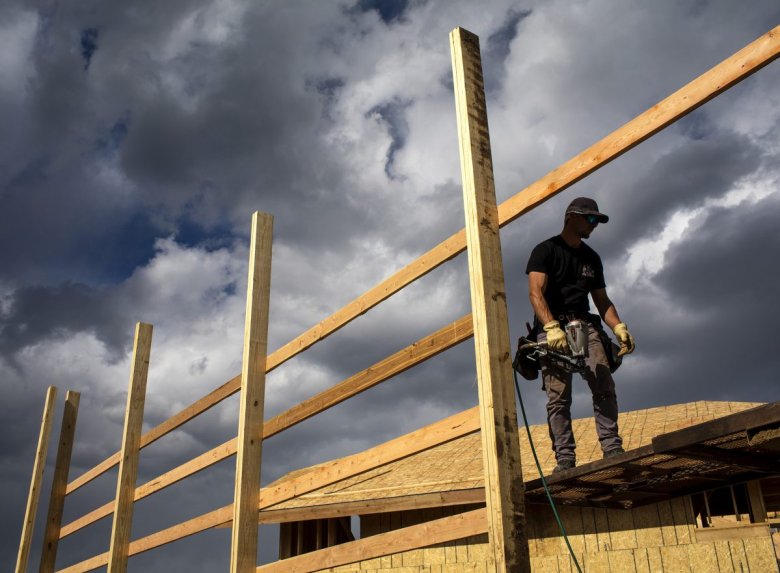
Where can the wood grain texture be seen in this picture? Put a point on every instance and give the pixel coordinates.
(249, 442)
(450, 428)
(393, 542)
(34, 493)
(504, 488)
(51, 535)
(131, 441)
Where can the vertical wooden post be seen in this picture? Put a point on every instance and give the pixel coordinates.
(756, 501)
(131, 442)
(243, 549)
(34, 493)
(57, 499)
(504, 490)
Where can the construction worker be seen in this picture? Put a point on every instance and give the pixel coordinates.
(562, 272)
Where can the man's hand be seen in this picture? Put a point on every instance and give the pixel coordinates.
(626, 340)
(556, 338)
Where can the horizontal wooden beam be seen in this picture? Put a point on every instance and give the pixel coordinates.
(404, 539)
(402, 360)
(440, 432)
(399, 362)
(211, 399)
(379, 505)
(169, 478)
(713, 82)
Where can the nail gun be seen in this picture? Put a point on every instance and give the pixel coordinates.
(529, 353)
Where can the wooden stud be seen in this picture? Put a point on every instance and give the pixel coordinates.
(756, 501)
(676, 106)
(370, 506)
(504, 489)
(61, 468)
(243, 549)
(34, 494)
(131, 439)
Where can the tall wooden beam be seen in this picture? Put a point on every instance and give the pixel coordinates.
(249, 444)
(51, 536)
(500, 441)
(34, 494)
(131, 439)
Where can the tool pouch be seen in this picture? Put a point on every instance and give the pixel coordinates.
(527, 367)
(610, 348)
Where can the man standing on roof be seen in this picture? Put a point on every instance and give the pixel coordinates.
(562, 272)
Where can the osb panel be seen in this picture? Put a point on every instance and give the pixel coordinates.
(674, 559)
(703, 556)
(457, 464)
(760, 554)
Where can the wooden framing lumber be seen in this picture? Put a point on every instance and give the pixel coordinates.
(249, 444)
(380, 505)
(402, 360)
(450, 428)
(57, 499)
(131, 438)
(195, 465)
(756, 501)
(34, 493)
(504, 489)
(422, 535)
(721, 77)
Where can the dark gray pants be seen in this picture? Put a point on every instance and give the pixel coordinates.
(558, 385)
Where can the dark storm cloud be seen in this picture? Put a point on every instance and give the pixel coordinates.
(683, 178)
(89, 44)
(705, 333)
(392, 113)
(496, 49)
(388, 10)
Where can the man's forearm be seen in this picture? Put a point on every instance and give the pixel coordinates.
(611, 317)
(541, 309)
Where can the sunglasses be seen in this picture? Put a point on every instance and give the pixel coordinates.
(591, 219)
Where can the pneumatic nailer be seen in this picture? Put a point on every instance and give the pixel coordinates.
(529, 353)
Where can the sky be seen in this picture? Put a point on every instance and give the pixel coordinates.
(138, 139)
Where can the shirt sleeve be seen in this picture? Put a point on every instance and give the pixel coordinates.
(539, 261)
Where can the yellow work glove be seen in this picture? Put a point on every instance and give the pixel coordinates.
(626, 340)
(556, 338)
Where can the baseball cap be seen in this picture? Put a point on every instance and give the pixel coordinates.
(586, 206)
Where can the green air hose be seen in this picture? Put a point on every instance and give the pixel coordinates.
(541, 475)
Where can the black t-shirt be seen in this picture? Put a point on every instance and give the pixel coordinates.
(571, 274)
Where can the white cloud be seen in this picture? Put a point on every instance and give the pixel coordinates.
(17, 29)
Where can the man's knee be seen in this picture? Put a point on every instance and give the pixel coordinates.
(605, 396)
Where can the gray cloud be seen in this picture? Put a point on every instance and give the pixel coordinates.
(138, 140)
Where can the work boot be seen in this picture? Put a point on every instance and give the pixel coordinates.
(564, 464)
(614, 452)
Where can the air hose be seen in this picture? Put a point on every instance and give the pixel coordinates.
(541, 475)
